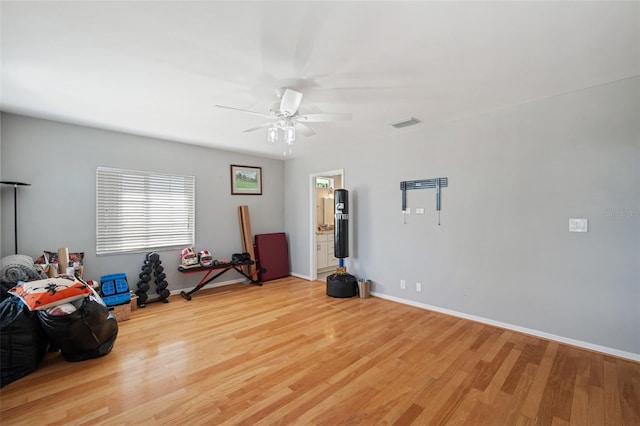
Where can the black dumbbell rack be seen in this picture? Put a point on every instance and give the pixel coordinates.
(152, 268)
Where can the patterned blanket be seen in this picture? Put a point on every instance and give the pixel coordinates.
(19, 267)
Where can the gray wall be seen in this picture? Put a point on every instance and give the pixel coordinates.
(58, 210)
(503, 251)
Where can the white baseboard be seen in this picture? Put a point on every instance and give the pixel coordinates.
(304, 277)
(572, 342)
(211, 285)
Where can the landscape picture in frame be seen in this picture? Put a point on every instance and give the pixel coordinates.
(246, 180)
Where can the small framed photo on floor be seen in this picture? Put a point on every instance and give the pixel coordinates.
(246, 180)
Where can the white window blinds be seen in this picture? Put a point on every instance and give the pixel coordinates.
(139, 211)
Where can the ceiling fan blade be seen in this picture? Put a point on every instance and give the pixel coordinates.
(318, 118)
(304, 130)
(290, 102)
(257, 127)
(245, 111)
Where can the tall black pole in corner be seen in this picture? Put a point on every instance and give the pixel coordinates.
(15, 208)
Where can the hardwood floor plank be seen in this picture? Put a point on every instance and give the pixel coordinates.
(629, 387)
(488, 369)
(596, 370)
(532, 354)
(579, 407)
(333, 399)
(504, 337)
(535, 395)
(557, 403)
(476, 352)
(595, 414)
(556, 421)
(518, 397)
(463, 410)
(409, 415)
(385, 405)
(437, 401)
(480, 414)
(612, 407)
(499, 377)
(286, 354)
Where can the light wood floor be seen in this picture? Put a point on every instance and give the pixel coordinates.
(287, 354)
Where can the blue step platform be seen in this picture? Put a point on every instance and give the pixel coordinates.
(114, 289)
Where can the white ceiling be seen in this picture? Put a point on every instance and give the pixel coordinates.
(157, 68)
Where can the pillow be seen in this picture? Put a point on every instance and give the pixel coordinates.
(77, 258)
(61, 310)
(52, 257)
(42, 294)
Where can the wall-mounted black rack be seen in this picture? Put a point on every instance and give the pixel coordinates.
(436, 183)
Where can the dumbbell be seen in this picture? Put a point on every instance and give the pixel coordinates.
(159, 268)
(144, 276)
(164, 294)
(143, 286)
(146, 269)
(161, 276)
(162, 285)
(142, 297)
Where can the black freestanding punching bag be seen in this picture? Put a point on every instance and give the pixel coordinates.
(341, 284)
(341, 223)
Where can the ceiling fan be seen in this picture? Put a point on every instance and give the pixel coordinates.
(286, 118)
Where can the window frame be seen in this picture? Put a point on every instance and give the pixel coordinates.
(138, 200)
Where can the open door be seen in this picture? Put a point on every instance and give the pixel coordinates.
(321, 187)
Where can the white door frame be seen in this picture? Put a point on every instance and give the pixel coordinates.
(312, 220)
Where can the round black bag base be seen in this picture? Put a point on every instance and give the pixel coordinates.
(343, 286)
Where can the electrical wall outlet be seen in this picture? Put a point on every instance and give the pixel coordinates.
(420, 211)
(403, 284)
(578, 225)
(418, 287)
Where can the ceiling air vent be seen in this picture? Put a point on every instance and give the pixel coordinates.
(405, 123)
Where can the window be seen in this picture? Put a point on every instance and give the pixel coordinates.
(322, 182)
(140, 211)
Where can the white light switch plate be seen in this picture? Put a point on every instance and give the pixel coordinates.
(578, 225)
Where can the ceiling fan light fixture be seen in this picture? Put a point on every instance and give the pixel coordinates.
(285, 117)
(290, 135)
(405, 123)
(272, 134)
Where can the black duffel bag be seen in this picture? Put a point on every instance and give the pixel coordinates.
(240, 258)
(89, 332)
(23, 343)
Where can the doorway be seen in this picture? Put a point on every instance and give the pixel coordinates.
(321, 187)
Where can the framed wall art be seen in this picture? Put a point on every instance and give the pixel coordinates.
(246, 180)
